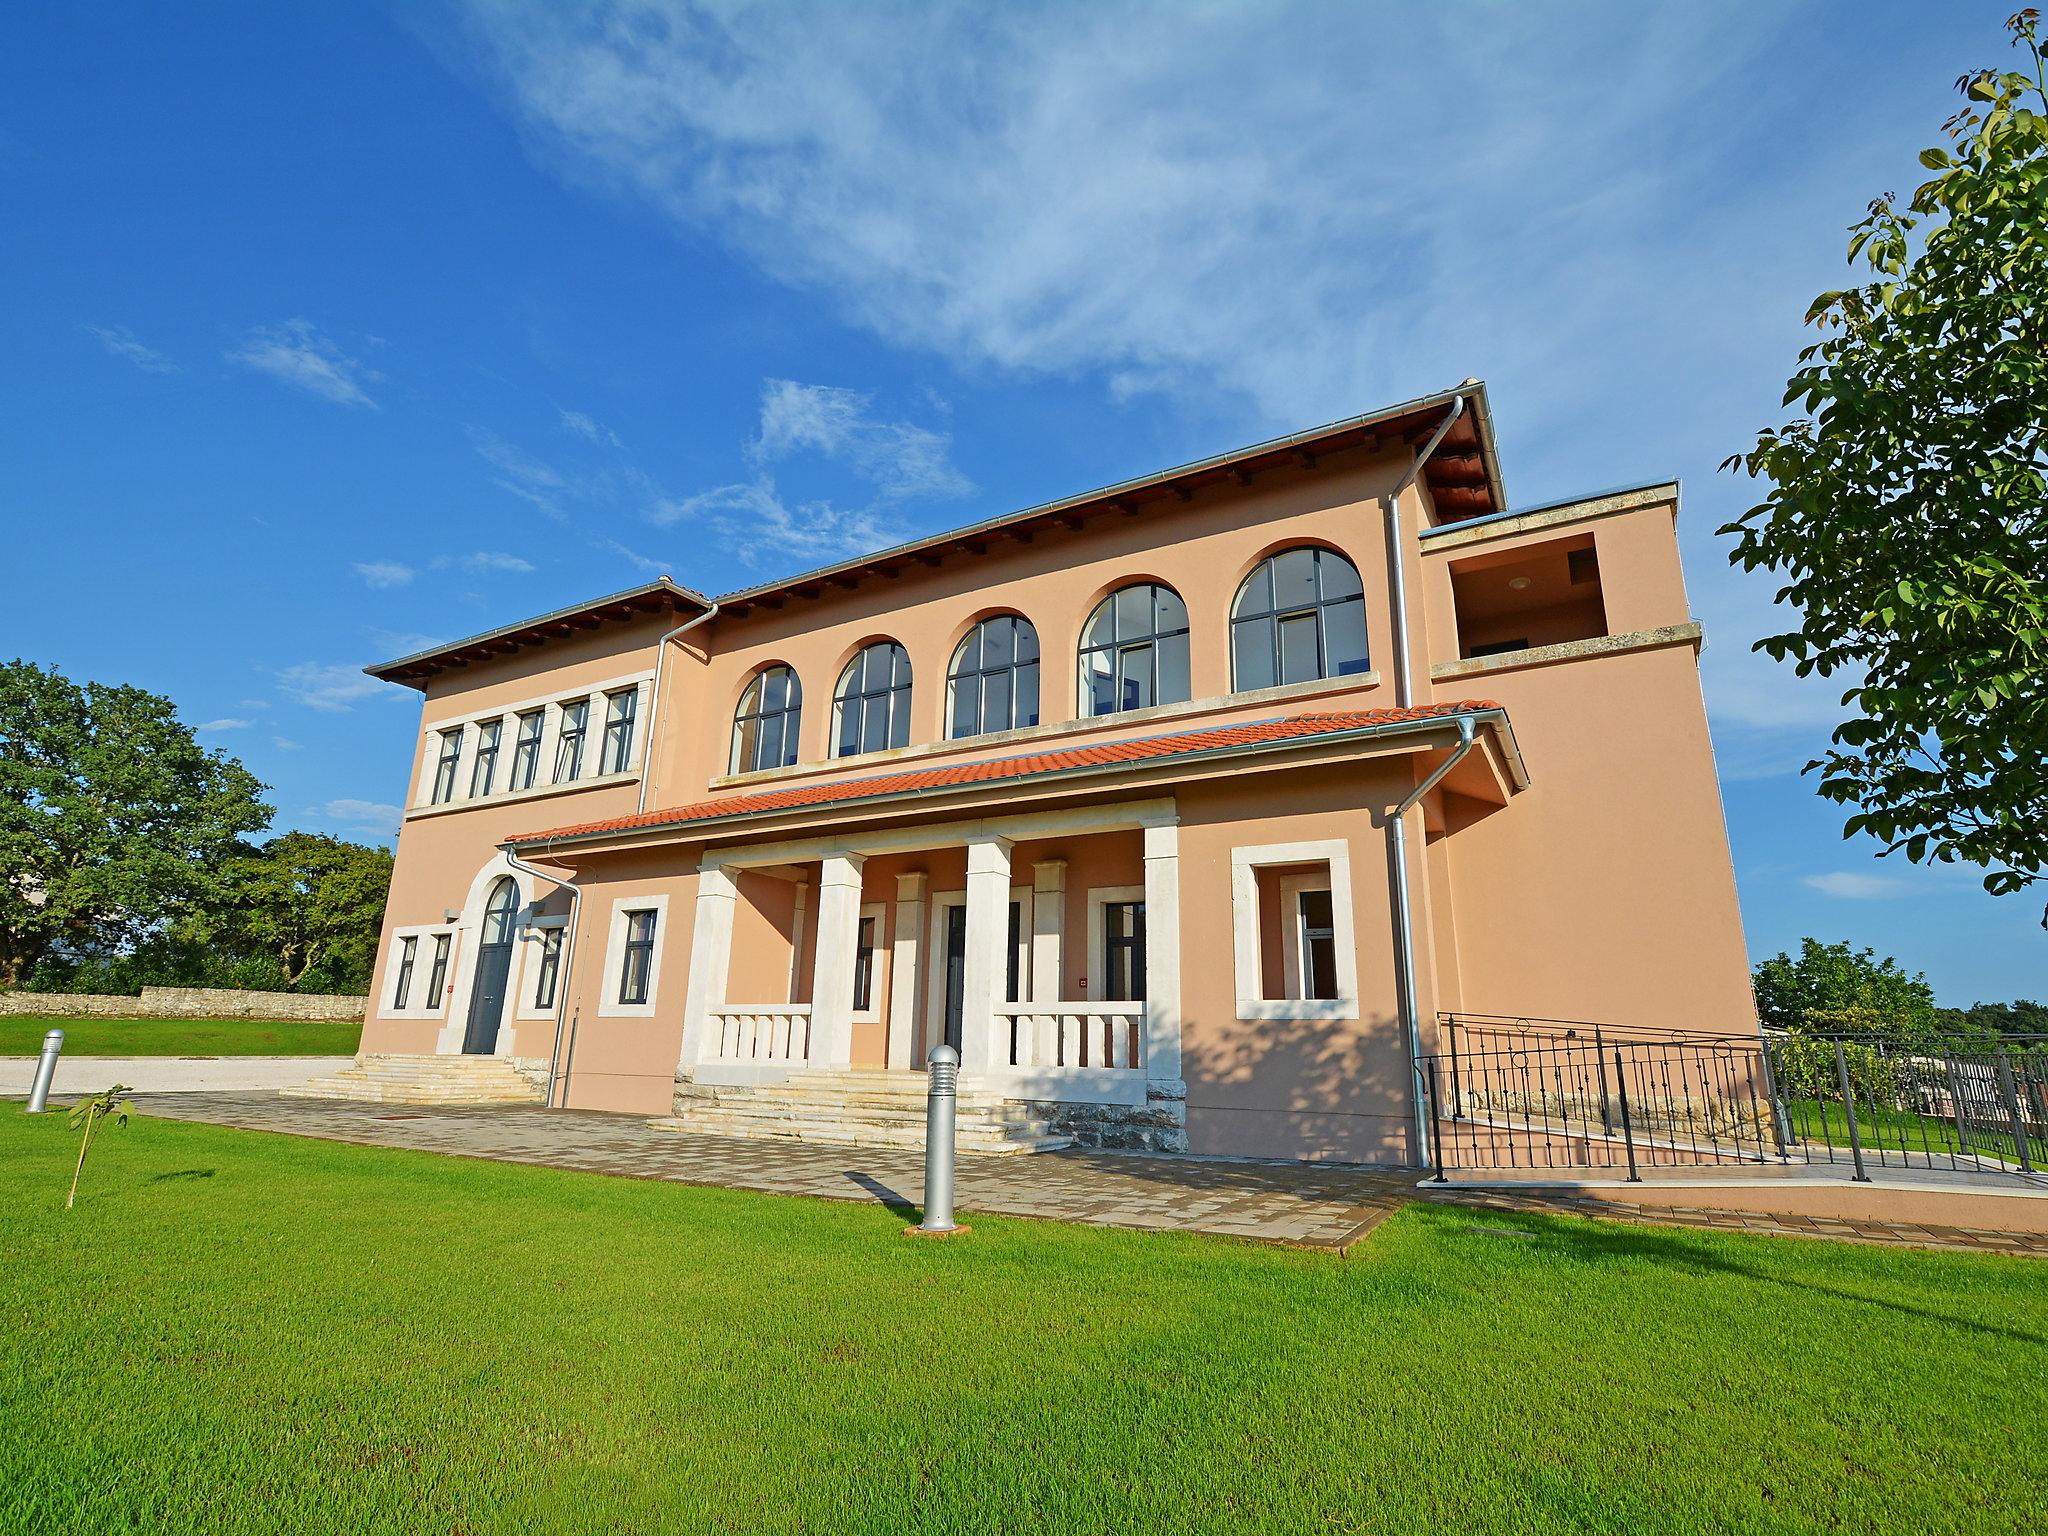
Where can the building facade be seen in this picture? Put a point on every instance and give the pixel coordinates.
(1182, 808)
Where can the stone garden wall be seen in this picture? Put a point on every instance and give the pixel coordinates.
(184, 1003)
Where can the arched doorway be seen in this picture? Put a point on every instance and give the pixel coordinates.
(493, 970)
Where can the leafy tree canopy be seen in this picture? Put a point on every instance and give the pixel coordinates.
(1833, 987)
(113, 819)
(314, 904)
(1907, 507)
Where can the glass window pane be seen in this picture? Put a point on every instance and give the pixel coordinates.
(1025, 639)
(769, 753)
(1340, 577)
(969, 657)
(902, 669)
(996, 702)
(849, 729)
(750, 701)
(1133, 613)
(1298, 649)
(1102, 625)
(874, 734)
(997, 649)
(1173, 613)
(1099, 681)
(774, 688)
(966, 696)
(1344, 637)
(1251, 654)
(1257, 596)
(1025, 707)
(1294, 579)
(745, 742)
(1173, 670)
(1134, 676)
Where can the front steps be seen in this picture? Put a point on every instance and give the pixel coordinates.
(430, 1080)
(855, 1109)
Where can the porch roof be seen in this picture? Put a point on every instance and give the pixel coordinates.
(1097, 757)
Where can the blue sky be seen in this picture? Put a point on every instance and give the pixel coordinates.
(333, 331)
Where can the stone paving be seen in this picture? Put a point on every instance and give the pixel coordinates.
(1301, 1205)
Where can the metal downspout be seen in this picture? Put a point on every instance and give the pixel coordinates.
(1404, 926)
(654, 701)
(563, 975)
(1404, 684)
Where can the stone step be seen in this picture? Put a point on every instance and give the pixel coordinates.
(857, 1107)
(992, 1141)
(390, 1079)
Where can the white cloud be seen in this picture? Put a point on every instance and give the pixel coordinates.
(284, 744)
(589, 428)
(494, 560)
(1856, 887)
(254, 703)
(385, 573)
(298, 353)
(899, 459)
(521, 473)
(757, 520)
(336, 689)
(364, 816)
(222, 725)
(124, 344)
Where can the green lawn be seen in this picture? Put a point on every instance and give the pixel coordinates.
(1882, 1128)
(236, 1332)
(22, 1035)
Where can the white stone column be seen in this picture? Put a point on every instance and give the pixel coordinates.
(1162, 953)
(987, 960)
(903, 969)
(1048, 930)
(838, 927)
(710, 960)
(800, 904)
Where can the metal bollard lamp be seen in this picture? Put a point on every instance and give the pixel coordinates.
(46, 1069)
(943, 1070)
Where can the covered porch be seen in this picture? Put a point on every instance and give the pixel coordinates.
(1044, 947)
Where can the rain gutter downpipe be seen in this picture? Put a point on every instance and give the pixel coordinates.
(1397, 838)
(565, 970)
(654, 701)
(1404, 924)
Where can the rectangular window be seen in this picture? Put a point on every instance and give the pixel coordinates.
(569, 748)
(408, 951)
(437, 975)
(620, 708)
(485, 769)
(1318, 945)
(444, 770)
(639, 957)
(550, 967)
(864, 967)
(526, 750)
(1123, 951)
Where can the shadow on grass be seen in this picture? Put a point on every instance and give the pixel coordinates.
(184, 1173)
(1589, 1240)
(897, 1205)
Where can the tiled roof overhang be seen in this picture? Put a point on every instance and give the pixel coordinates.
(660, 596)
(710, 816)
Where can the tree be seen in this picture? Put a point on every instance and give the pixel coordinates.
(313, 903)
(1908, 507)
(1832, 987)
(114, 821)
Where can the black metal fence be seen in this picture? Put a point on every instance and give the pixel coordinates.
(1551, 1093)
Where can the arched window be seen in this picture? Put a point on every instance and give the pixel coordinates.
(504, 901)
(764, 731)
(1300, 615)
(994, 679)
(872, 704)
(1134, 651)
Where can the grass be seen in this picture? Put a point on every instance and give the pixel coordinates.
(1880, 1127)
(239, 1332)
(22, 1035)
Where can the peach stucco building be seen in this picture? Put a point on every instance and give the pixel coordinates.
(1109, 793)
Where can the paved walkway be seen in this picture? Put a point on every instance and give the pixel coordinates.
(1302, 1205)
(168, 1074)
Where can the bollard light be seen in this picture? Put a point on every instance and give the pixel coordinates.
(943, 1071)
(46, 1069)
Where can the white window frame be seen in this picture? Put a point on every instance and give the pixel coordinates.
(532, 942)
(423, 967)
(596, 696)
(1245, 864)
(608, 1004)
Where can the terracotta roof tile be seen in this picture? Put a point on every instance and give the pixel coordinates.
(1141, 749)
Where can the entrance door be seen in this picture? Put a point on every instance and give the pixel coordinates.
(956, 965)
(493, 968)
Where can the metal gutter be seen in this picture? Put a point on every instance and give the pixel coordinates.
(1495, 717)
(1158, 477)
(645, 589)
(654, 696)
(565, 970)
